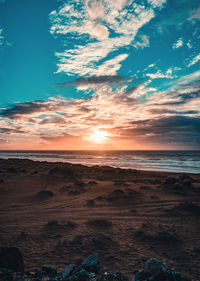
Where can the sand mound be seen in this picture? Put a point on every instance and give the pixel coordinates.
(123, 196)
(188, 207)
(99, 223)
(156, 235)
(43, 195)
(54, 225)
(62, 172)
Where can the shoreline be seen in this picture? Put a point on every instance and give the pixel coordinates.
(114, 167)
(59, 213)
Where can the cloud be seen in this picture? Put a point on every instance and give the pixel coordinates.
(144, 42)
(102, 27)
(178, 44)
(157, 3)
(13, 131)
(140, 113)
(194, 60)
(53, 120)
(27, 108)
(159, 74)
(93, 80)
(176, 16)
(189, 44)
(194, 15)
(1, 37)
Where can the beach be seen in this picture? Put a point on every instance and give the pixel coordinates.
(58, 213)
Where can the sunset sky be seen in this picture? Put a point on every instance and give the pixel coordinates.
(99, 74)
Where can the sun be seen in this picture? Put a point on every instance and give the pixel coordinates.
(99, 136)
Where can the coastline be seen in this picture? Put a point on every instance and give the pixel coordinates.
(61, 212)
(157, 160)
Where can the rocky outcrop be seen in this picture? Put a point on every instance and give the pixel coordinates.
(154, 270)
(12, 269)
(11, 258)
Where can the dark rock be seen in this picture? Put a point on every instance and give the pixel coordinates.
(113, 276)
(83, 275)
(73, 278)
(11, 258)
(91, 264)
(68, 270)
(51, 271)
(154, 270)
(6, 274)
(154, 267)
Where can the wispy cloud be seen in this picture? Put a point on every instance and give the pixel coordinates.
(194, 60)
(103, 27)
(143, 42)
(1, 36)
(178, 44)
(93, 80)
(194, 15)
(140, 112)
(168, 74)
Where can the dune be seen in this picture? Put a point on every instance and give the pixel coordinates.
(67, 212)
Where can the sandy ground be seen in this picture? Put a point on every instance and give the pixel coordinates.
(60, 213)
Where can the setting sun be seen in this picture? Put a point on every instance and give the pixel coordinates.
(99, 136)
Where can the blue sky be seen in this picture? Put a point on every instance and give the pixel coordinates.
(129, 69)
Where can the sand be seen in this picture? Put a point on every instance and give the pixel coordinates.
(60, 213)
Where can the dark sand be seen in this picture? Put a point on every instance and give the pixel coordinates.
(60, 213)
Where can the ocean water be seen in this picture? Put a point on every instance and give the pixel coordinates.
(176, 161)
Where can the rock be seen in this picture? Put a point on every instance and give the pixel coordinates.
(154, 270)
(51, 271)
(68, 270)
(83, 275)
(6, 274)
(114, 276)
(73, 278)
(154, 267)
(91, 264)
(11, 258)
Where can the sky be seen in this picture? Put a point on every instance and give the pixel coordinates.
(99, 74)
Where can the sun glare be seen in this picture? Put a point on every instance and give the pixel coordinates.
(99, 136)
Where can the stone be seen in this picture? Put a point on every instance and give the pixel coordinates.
(68, 270)
(154, 270)
(91, 263)
(6, 274)
(11, 258)
(154, 267)
(82, 275)
(51, 271)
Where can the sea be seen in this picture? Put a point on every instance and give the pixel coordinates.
(173, 161)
